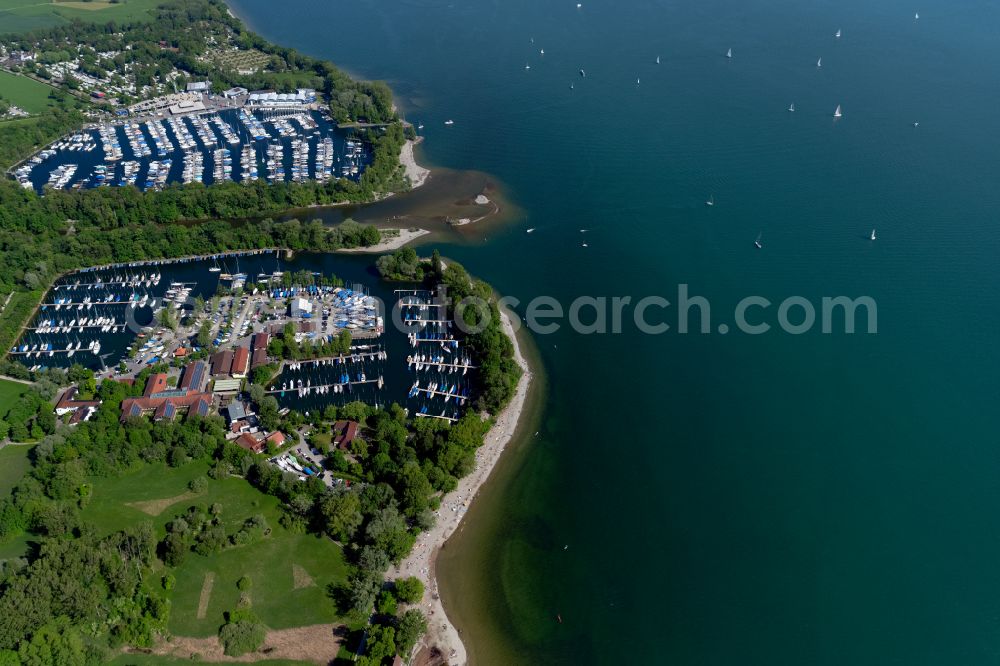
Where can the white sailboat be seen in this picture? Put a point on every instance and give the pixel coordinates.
(215, 268)
(711, 201)
(916, 16)
(837, 35)
(819, 63)
(757, 242)
(657, 60)
(873, 235)
(527, 66)
(791, 108)
(729, 53)
(837, 112)
(449, 122)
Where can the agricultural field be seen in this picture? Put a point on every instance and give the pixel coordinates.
(26, 93)
(18, 16)
(290, 571)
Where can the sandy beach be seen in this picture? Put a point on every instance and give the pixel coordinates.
(389, 244)
(416, 173)
(441, 633)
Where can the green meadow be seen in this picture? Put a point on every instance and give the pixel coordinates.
(9, 392)
(14, 463)
(26, 93)
(290, 571)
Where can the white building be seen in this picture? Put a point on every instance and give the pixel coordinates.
(301, 308)
(271, 99)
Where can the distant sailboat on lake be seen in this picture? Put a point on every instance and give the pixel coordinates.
(729, 53)
(837, 112)
(819, 63)
(657, 60)
(757, 242)
(873, 235)
(583, 74)
(791, 107)
(711, 201)
(837, 35)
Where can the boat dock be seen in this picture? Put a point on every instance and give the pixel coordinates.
(82, 304)
(410, 362)
(444, 394)
(450, 341)
(124, 282)
(435, 416)
(358, 357)
(65, 328)
(321, 389)
(38, 351)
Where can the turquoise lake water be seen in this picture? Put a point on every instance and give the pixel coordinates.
(727, 499)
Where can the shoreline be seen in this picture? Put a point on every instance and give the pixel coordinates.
(421, 563)
(405, 237)
(417, 174)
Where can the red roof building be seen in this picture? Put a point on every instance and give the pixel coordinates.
(259, 341)
(193, 376)
(160, 402)
(157, 383)
(222, 363)
(344, 433)
(68, 402)
(241, 362)
(251, 443)
(277, 438)
(259, 358)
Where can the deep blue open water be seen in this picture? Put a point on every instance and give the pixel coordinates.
(725, 499)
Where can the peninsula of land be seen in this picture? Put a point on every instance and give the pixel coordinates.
(441, 633)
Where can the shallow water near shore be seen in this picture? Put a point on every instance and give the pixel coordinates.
(725, 499)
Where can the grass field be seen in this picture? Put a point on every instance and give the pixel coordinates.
(17, 547)
(290, 571)
(9, 392)
(23, 15)
(13, 464)
(26, 93)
